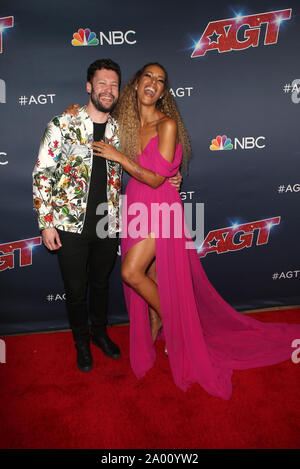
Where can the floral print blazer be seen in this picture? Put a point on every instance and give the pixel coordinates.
(63, 170)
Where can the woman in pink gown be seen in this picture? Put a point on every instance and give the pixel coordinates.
(205, 337)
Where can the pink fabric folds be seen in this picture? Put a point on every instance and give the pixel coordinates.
(205, 337)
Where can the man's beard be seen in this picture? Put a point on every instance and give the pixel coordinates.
(96, 102)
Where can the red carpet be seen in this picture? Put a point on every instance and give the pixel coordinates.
(47, 403)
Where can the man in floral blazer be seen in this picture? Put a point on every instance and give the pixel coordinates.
(69, 183)
(63, 172)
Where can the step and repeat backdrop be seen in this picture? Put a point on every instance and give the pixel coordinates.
(234, 72)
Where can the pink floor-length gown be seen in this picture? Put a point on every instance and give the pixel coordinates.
(205, 337)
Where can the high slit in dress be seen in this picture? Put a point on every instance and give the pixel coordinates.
(206, 338)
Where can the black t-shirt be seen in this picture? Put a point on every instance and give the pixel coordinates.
(98, 183)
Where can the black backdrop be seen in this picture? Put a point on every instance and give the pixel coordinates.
(249, 95)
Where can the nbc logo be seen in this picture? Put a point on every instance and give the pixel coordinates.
(84, 37)
(221, 143)
(4, 159)
(245, 143)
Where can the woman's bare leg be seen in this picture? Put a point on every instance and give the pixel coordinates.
(134, 272)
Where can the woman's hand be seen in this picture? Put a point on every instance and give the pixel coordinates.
(176, 181)
(72, 110)
(106, 150)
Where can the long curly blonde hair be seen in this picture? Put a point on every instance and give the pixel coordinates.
(126, 112)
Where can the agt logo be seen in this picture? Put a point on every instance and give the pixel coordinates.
(237, 237)
(39, 99)
(294, 88)
(24, 246)
(7, 22)
(181, 92)
(241, 32)
(245, 143)
(282, 189)
(85, 37)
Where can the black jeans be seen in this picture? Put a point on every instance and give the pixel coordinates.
(86, 262)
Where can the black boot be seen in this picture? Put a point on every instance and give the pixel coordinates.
(108, 347)
(84, 356)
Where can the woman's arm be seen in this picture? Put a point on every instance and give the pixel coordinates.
(167, 133)
(167, 136)
(107, 151)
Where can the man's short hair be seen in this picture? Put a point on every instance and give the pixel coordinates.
(107, 64)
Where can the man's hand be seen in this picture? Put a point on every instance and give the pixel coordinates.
(176, 181)
(51, 239)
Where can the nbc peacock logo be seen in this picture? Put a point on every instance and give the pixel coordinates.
(221, 143)
(84, 37)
